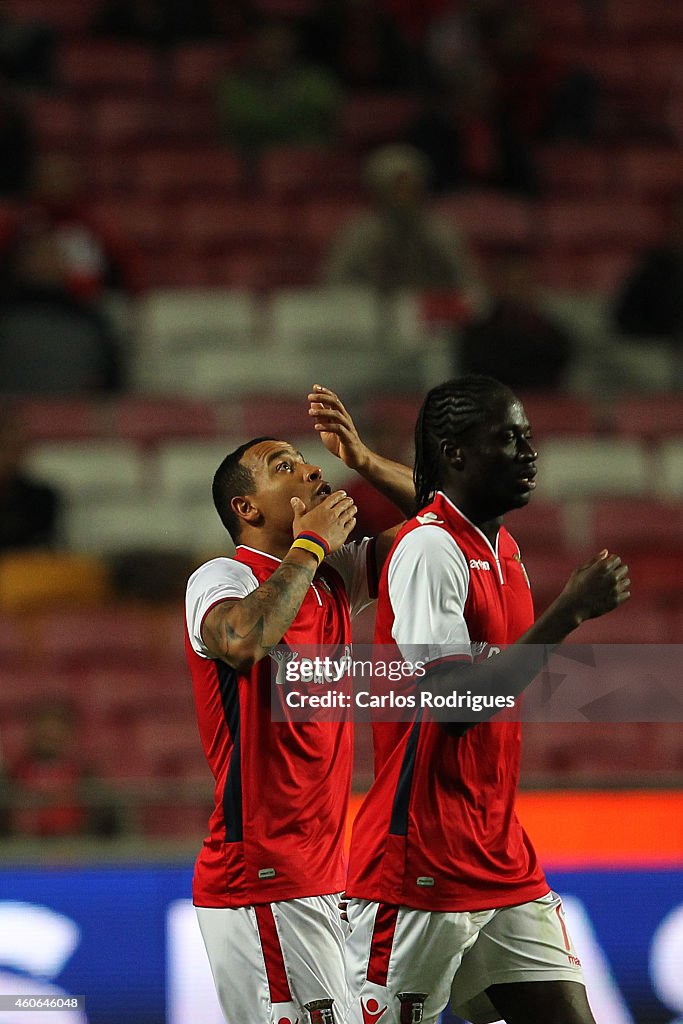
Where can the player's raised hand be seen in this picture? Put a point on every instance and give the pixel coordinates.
(597, 587)
(333, 518)
(335, 427)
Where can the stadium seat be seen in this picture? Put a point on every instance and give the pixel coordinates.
(12, 639)
(649, 418)
(174, 172)
(655, 173)
(287, 172)
(317, 319)
(576, 170)
(489, 219)
(558, 414)
(580, 222)
(177, 326)
(197, 66)
(59, 122)
(371, 120)
(277, 415)
(125, 523)
(116, 122)
(111, 634)
(221, 223)
(38, 578)
(89, 468)
(90, 66)
(670, 462)
(540, 526)
(186, 468)
(147, 421)
(576, 467)
(171, 744)
(639, 523)
(52, 419)
(69, 16)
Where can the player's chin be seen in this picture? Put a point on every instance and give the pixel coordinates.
(520, 498)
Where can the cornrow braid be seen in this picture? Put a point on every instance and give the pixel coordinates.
(448, 411)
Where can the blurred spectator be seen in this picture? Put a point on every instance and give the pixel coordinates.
(52, 341)
(459, 131)
(26, 50)
(399, 244)
(57, 793)
(16, 144)
(650, 303)
(275, 98)
(160, 22)
(516, 340)
(537, 95)
(360, 43)
(92, 255)
(29, 510)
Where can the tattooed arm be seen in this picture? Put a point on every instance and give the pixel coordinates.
(241, 632)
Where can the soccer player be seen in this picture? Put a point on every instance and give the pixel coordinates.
(444, 884)
(267, 880)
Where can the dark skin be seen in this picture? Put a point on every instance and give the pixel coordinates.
(487, 473)
(289, 497)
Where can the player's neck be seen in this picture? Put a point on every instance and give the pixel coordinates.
(489, 525)
(268, 543)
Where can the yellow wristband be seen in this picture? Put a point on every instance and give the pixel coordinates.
(312, 546)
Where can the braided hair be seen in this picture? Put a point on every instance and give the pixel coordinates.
(448, 411)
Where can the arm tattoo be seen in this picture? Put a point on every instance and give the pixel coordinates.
(264, 616)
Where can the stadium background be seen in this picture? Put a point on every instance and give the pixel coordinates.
(225, 333)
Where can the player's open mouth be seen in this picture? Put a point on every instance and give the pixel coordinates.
(528, 481)
(324, 490)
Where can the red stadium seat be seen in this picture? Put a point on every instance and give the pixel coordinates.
(320, 220)
(173, 172)
(538, 527)
(558, 414)
(291, 170)
(633, 623)
(370, 120)
(116, 122)
(197, 66)
(149, 421)
(270, 414)
(55, 419)
(68, 15)
(637, 524)
(59, 122)
(12, 640)
(574, 223)
(107, 66)
(489, 218)
(118, 635)
(649, 418)
(576, 170)
(653, 172)
(219, 224)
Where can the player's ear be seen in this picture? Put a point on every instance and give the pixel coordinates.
(453, 454)
(244, 509)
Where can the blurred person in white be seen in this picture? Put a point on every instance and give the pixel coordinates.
(399, 243)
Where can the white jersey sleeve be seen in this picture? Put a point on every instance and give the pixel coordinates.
(355, 564)
(221, 579)
(428, 585)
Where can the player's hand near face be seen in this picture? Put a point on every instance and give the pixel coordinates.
(336, 428)
(595, 588)
(333, 519)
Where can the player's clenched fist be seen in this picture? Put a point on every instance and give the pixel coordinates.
(597, 587)
(333, 519)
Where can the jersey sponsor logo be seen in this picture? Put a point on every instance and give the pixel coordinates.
(371, 1011)
(480, 563)
(428, 517)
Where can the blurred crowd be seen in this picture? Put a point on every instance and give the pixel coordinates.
(390, 115)
(488, 85)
